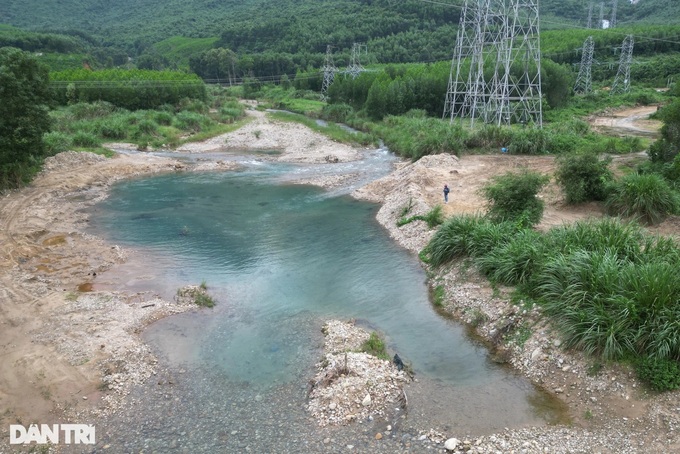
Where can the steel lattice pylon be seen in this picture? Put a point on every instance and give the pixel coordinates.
(601, 24)
(584, 79)
(622, 81)
(329, 71)
(498, 36)
(354, 68)
(590, 15)
(612, 21)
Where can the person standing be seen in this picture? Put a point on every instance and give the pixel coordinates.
(446, 193)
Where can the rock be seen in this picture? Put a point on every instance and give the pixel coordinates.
(332, 406)
(378, 436)
(451, 444)
(367, 400)
(536, 354)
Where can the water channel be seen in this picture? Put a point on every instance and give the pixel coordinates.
(280, 259)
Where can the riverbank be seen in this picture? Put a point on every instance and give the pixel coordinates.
(72, 352)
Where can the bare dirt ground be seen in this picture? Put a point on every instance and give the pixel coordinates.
(625, 122)
(65, 351)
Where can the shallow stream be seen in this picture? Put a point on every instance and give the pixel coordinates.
(280, 259)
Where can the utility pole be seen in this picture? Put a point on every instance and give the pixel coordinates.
(583, 84)
(329, 71)
(498, 34)
(355, 68)
(612, 22)
(622, 81)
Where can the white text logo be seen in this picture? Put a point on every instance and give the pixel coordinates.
(52, 433)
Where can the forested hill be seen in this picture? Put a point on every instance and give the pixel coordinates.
(411, 30)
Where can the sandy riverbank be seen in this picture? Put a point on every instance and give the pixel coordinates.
(65, 352)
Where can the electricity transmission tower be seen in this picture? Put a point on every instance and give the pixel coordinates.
(584, 79)
(590, 15)
(500, 36)
(622, 81)
(612, 22)
(329, 71)
(601, 23)
(355, 68)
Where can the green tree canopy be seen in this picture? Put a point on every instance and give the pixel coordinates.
(24, 95)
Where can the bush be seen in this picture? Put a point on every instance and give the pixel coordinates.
(338, 113)
(660, 374)
(512, 197)
(583, 177)
(56, 142)
(113, 128)
(646, 197)
(85, 140)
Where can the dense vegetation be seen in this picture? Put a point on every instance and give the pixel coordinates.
(131, 89)
(24, 99)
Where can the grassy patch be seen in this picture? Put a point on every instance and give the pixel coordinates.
(433, 218)
(375, 345)
(438, 293)
(332, 131)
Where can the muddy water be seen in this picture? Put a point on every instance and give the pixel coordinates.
(280, 259)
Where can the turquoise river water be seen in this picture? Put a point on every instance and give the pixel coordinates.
(280, 259)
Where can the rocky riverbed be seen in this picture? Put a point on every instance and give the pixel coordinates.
(75, 353)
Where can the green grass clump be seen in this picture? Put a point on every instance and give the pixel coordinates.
(433, 218)
(375, 345)
(204, 300)
(611, 289)
(512, 197)
(647, 198)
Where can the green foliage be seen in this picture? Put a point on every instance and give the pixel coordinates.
(660, 374)
(330, 130)
(512, 197)
(85, 140)
(452, 240)
(433, 218)
(417, 137)
(438, 294)
(24, 119)
(56, 142)
(129, 89)
(583, 177)
(668, 147)
(375, 345)
(646, 197)
(204, 300)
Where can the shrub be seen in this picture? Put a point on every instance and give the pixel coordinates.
(583, 177)
(113, 128)
(660, 374)
(163, 118)
(512, 197)
(189, 121)
(646, 197)
(337, 113)
(85, 139)
(56, 142)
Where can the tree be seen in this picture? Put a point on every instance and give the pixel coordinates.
(668, 146)
(24, 95)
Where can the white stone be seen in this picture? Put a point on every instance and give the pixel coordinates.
(536, 353)
(367, 400)
(451, 444)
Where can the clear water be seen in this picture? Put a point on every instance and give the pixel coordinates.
(280, 259)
